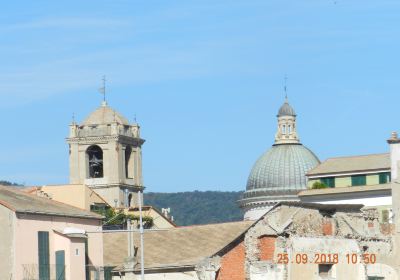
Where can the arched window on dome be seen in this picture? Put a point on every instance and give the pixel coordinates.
(128, 162)
(289, 129)
(95, 161)
(283, 129)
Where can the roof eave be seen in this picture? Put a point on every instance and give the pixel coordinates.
(58, 214)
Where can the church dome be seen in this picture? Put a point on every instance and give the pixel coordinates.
(280, 173)
(286, 110)
(281, 170)
(105, 115)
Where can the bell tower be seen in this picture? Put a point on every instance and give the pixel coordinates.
(105, 153)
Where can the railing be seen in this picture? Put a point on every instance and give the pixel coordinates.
(43, 272)
(114, 227)
(106, 131)
(57, 272)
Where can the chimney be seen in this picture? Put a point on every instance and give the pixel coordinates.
(394, 144)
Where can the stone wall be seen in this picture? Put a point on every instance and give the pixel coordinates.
(303, 235)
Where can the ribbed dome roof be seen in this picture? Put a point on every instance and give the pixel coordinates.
(105, 115)
(286, 110)
(282, 169)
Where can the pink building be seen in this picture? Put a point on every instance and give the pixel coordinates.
(44, 239)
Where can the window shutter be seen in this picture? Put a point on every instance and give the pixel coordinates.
(359, 180)
(43, 250)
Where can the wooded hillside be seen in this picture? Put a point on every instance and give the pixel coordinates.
(193, 208)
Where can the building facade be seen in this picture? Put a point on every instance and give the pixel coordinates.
(80, 196)
(352, 171)
(44, 239)
(307, 241)
(105, 153)
(364, 179)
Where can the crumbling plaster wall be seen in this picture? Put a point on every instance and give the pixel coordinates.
(394, 260)
(207, 269)
(313, 247)
(338, 231)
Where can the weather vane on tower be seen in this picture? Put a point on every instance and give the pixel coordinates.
(285, 86)
(103, 90)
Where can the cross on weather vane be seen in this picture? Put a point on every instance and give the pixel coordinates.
(103, 88)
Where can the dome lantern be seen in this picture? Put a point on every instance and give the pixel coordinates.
(287, 131)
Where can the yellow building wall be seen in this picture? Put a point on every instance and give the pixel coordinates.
(76, 195)
(342, 182)
(373, 179)
(311, 182)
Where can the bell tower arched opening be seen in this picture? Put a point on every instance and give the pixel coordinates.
(95, 161)
(129, 162)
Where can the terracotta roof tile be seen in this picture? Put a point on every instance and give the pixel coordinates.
(22, 202)
(352, 164)
(182, 246)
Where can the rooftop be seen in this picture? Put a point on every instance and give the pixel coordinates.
(105, 115)
(189, 244)
(352, 164)
(22, 202)
(286, 110)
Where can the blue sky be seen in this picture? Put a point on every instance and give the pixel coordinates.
(204, 78)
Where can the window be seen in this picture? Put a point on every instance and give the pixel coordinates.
(95, 158)
(385, 216)
(76, 252)
(328, 181)
(359, 180)
(376, 278)
(384, 178)
(43, 251)
(98, 207)
(283, 129)
(325, 271)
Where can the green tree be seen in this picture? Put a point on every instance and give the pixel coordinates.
(319, 185)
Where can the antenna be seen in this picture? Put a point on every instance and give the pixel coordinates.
(73, 118)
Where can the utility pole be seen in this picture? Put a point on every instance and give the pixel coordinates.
(141, 235)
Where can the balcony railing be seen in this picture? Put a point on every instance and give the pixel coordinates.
(43, 272)
(57, 272)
